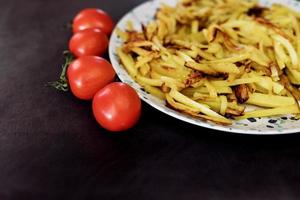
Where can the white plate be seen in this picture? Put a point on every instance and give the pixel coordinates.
(259, 126)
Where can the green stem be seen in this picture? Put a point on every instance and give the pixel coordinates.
(62, 83)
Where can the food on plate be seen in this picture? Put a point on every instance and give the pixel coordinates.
(88, 42)
(88, 74)
(212, 58)
(93, 18)
(117, 107)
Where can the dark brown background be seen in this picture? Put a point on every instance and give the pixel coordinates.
(52, 148)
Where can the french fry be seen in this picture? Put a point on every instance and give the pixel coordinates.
(211, 89)
(148, 81)
(144, 69)
(128, 62)
(185, 56)
(289, 47)
(266, 100)
(129, 25)
(295, 74)
(235, 82)
(172, 83)
(292, 75)
(293, 109)
(214, 47)
(215, 104)
(223, 106)
(204, 109)
(195, 26)
(225, 68)
(201, 67)
(280, 55)
(151, 30)
(289, 87)
(181, 107)
(180, 74)
(274, 73)
(200, 89)
(142, 60)
(154, 91)
(233, 59)
(200, 96)
(162, 30)
(140, 51)
(205, 55)
(217, 120)
(122, 34)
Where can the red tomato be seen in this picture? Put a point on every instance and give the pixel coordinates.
(93, 18)
(88, 74)
(89, 42)
(117, 107)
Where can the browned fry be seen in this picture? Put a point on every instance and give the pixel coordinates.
(150, 31)
(241, 92)
(181, 107)
(164, 88)
(127, 48)
(229, 44)
(193, 112)
(134, 36)
(233, 112)
(259, 68)
(269, 24)
(193, 78)
(213, 32)
(212, 119)
(257, 11)
(201, 68)
(288, 86)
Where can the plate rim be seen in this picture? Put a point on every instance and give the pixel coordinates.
(204, 124)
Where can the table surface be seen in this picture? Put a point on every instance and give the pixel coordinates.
(52, 148)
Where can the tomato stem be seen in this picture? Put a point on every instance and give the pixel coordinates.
(62, 83)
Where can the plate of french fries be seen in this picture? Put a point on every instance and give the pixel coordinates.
(229, 65)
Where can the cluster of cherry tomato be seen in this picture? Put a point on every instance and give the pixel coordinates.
(116, 106)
